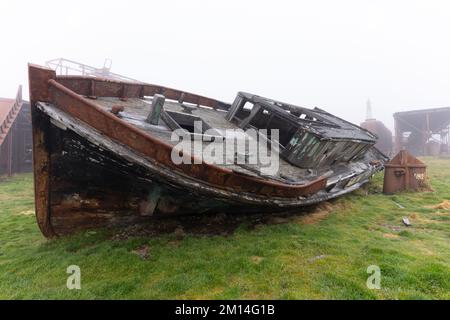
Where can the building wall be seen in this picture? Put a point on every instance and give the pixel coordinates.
(16, 149)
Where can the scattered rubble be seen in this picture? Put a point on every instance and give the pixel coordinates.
(399, 205)
(143, 252)
(406, 222)
(322, 256)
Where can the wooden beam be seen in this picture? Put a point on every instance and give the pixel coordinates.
(257, 109)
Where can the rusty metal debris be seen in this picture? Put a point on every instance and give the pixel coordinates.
(406, 222)
(93, 168)
(404, 172)
(15, 135)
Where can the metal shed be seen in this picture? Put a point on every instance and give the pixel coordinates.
(423, 132)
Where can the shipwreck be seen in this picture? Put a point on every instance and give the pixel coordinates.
(104, 153)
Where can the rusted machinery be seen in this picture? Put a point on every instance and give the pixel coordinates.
(15, 135)
(404, 172)
(423, 132)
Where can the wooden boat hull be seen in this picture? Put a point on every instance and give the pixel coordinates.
(94, 170)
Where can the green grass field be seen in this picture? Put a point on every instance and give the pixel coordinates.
(322, 255)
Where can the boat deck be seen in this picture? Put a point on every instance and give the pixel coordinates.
(136, 111)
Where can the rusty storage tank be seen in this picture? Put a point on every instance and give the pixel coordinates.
(385, 140)
(404, 172)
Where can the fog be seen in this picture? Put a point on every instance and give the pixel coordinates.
(330, 54)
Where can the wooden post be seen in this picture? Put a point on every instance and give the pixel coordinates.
(10, 152)
(38, 85)
(427, 135)
(257, 109)
(157, 108)
(398, 136)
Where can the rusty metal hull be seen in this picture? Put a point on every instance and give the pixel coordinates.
(92, 169)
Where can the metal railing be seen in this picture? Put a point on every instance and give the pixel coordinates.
(64, 66)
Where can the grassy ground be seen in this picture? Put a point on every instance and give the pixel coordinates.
(322, 255)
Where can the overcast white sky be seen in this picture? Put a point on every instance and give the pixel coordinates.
(330, 54)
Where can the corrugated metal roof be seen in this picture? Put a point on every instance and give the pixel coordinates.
(5, 107)
(422, 111)
(434, 119)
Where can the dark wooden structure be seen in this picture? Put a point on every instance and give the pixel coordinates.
(15, 136)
